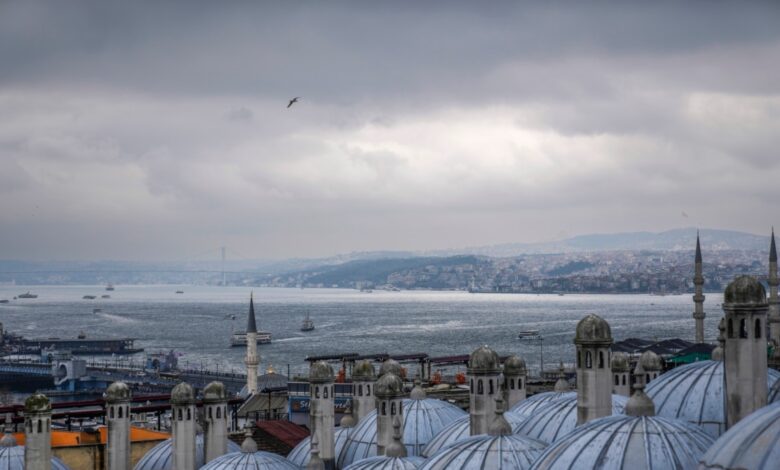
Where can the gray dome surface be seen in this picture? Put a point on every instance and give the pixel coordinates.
(694, 393)
(117, 391)
(620, 362)
(250, 460)
(390, 365)
(744, 290)
(159, 457)
(301, 454)
(650, 361)
(363, 372)
(512, 451)
(423, 419)
(774, 393)
(752, 443)
(459, 430)
(320, 371)
(12, 458)
(528, 406)
(387, 463)
(182, 394)
(593, 329)
(514, 366)
(558, 418)
(483, 360)
(625, 442)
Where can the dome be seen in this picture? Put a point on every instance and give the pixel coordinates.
(423, 419)
(250, 460)
(301, 454)
(483, 361)
(37, 403)
(320, 372)
(484, 451)
(363, 372)
(182, 394)
(694, 393)
(214, 392)
(159, 457)
(12, 458)
(744, 290)
(751, 443)
(774, 393)
(626, 442)
(514, 366)
(118, 391)
(558, 418)
(460, 429)
(593, 329)
(389, 386)
(650, 361)
(620, 362)
(271, 380)
(387, 463)
(528, 406)
(390, 365)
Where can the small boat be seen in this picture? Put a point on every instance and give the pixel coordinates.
(28, 295)
(110, 287)
(239, 339)
(82, 335)
(528, 334)
(3, 301)
(366, 290)
(105, 296)
(97, 310)
(307, 325)
(89, 297)
(179, 291)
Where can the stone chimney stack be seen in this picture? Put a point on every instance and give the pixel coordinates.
(515, 374)
(183, 426)
(594, 374)
(118, 419)
(621, 384)
(389, 394)
(37, 429)
(322, 418)
(774, 302)
(215, 419)
(484, 387)
(363, 380)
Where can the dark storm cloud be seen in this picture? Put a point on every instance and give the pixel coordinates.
(496, 122)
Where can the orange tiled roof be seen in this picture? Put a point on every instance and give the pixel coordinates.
(77, 438)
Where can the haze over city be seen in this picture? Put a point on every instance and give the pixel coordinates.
(153, 132)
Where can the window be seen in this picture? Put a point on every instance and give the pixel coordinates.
(471, 386)
(480, 388)
(40, 425)
(325, 392)
(316, 392)
(189, 414)
(360, 390)
(392, 409)
(180, 417)
(111, 412)
(617, 380)
(579, 359)
(512, 384)
(601, 359)
(730, 328)
(490, 385)
(368, 390)
(219, 412)
(624, 379)
(588, 360)
(743, 328)
(120, 411)
(210, 413)
(758, 328)
(384, 408)
(519, 384)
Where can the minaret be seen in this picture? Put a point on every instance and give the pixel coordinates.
(594, 374)
(251, 359)
(698, 296)
(652, 365)
(745, 307)
(389, 394)
(118, 420)
(37, 429)
(183, 426)
(322, 419)
(774, 303)
(215, 420)
(484, 387)
(363, 379)
(621, 384)
(515, 373)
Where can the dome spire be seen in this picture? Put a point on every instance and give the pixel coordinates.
(640, 404)
(698, 294)
(500, 426)
(347, 420)
(772, 249)
(249, 446)
(251, 324)
(396, 447)
(417, 392)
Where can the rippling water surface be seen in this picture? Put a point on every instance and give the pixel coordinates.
(197, 323)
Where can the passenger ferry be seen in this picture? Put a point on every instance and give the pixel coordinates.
(239, 339)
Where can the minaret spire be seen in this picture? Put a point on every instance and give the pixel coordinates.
(773, 316)
(251, 324)
(698, 295)
(251, 359)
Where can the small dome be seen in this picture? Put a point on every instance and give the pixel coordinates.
(460, 429)
(625, 442)
(182, 394)
(528, 406)
(620, 362)
(751, 443)
(301, 454)
(593, 329)
(650, 361)
(639, 404)
(37, 403)
(513, 451)
(390, 365)
(12, 458)
(514, 366)
(694, 393)
(744, 290)
(250, 460)
(423, 419)
(214, 392)
(363, 372)
(117, 392)
(387, 463)
(417, 392)
(389, 386)
(483, 361)
(320, 372)
(159, 457)
(558, 418)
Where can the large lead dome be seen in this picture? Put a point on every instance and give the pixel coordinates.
(528, 406)
(694, 393)
(159, 457)
(459, 430)
(301, 454)
(12, 458)
(484, 451)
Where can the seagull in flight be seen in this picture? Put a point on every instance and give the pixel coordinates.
(293, 101)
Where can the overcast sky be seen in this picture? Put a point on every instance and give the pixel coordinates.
(160, 132)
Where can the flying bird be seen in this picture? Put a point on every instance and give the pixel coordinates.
(293, 101)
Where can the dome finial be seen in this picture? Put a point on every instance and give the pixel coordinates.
(417, 392)
(500, 426)
(640, 404)
(396, 448)
(249, 446)
(561, 385)
(348, 421)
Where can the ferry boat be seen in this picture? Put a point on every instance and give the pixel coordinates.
(28, 295)
(179, 291)
(89, 297)
(239, 339)
(3, 301)
(307, 325)
(105, 296)
(528, 334)
(110, 287)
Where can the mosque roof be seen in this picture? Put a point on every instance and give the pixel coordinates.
(744, 290)
(483, 360)
(514, 365)
(694, 393)
(528, 406)
(487, 452)
(774, 393)
(754, 442)
(460, 429)
(12, 458)
(593, 329)
(301, 454)
(423, 419)
(159, 457)
(627, 442)
(250, 460)
(558, 418)
(387, 463)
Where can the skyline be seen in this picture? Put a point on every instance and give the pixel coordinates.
(151, 132)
